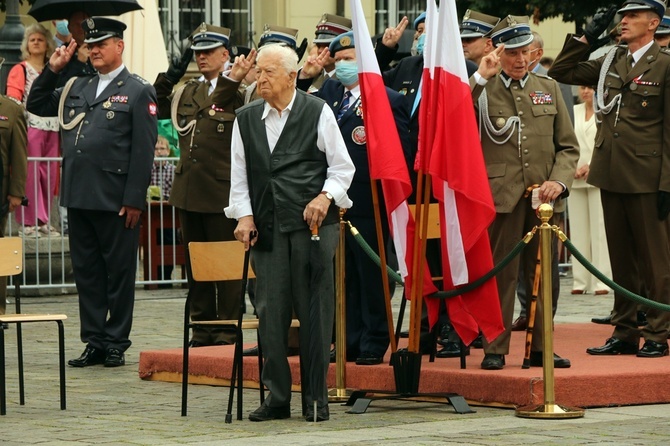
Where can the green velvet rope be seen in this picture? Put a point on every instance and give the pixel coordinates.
(466, 288)
(606, 280)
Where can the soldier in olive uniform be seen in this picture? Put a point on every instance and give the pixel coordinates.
(14, 167)
(527, 138)
(203, 111)
(109, 131)
(329, 27)
(631, 166)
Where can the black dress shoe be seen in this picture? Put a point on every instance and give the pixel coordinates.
(404, 334)
(251, 351)
(607, 320)
(91, 356)
(641, 318)
(493, 361)
(322, 414)
(452, 350)
(520, 324)
(195, 344)
(652, 349)
(114, 358)
(367, 358)
(267, 413)
(478, 342)
(293, 351)
(559, 363)
(613, 346)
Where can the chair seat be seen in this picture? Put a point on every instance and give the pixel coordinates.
(15, 318)
(247, 324)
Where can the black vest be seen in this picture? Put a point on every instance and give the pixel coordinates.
(283, 182)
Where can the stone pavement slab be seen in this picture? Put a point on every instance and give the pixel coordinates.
(114, 407)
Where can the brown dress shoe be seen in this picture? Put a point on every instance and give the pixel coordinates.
(520, 324)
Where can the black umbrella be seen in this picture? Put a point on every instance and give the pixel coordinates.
(43, 10)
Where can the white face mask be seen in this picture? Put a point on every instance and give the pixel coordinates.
(414, 51)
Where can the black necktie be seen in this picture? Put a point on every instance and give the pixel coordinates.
(344, 106)
(629, 62)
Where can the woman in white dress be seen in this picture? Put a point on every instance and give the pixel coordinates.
(587, 229)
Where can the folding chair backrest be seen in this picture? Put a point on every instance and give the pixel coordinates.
(217, 261)
(433, 230)
(11, 256)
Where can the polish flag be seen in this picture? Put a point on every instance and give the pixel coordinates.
(450, 150)
(385, 154)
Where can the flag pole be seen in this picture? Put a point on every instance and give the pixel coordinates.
(382, 258)
(419, 254)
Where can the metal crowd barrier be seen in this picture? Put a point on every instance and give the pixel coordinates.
(48, 269)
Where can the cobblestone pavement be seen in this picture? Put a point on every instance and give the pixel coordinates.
(113, 406)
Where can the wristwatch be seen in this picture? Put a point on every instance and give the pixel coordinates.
(328, 195)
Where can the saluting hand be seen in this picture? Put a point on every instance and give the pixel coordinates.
(62, 56)
(314, 65)
(242, 65)
(490, 64)
(392, 36)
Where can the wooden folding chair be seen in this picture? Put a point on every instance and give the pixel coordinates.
(216, 262)
(11, 264)
(432, 232)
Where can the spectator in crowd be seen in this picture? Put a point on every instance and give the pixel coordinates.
(290, 173)
(162, 176)
(43, 137)
(587, 230)
(63, 35)
(109, 131)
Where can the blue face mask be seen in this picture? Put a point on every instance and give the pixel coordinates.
(61, 27)
(421, 41)
(347, 72)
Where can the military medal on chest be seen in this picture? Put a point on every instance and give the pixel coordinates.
(358, 135)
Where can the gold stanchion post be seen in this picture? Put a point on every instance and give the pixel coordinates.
(340, 392)
(549, 409)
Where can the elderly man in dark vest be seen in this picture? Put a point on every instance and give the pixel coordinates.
(290, 172)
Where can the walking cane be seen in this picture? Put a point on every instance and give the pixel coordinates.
(532, 307)
(237, 361)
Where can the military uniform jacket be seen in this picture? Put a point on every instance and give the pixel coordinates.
(107, 158)
(632, 156)
(353, 132)
(12, 149)
(202, 176)
(548, 149)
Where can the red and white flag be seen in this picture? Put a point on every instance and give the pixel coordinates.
(385, 154)
(450, 150)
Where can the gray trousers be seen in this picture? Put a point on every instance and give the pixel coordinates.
(297, 275)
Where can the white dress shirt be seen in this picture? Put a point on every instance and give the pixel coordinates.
(106, 79)
(340, 170)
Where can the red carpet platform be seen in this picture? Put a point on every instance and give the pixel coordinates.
(592, 381)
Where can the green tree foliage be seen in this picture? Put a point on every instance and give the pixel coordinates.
(3, 3)
(569, 10)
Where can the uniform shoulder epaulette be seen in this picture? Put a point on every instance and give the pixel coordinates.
(139, 78)
(545, 76)
(665, 50)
